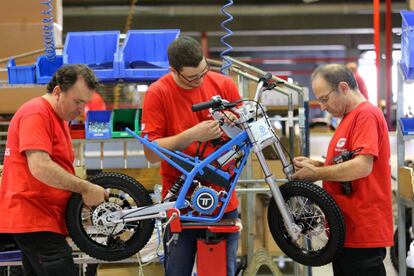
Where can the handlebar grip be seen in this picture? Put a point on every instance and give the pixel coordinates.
(203, 105)
(266, 77)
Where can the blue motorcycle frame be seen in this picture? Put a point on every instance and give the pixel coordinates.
(303, 219)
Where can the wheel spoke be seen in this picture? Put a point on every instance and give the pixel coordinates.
(303, 205)
(307, 213)
(86, 215)
(99, 233)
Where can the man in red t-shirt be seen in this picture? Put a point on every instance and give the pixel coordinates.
(38, 174)
(366, 200)
(96, 103)
(360, 81)
(167, 119)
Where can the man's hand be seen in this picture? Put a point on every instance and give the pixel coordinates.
(299, 160)
(306, 169)
(94, 195)
(229, 118)
(205, 131)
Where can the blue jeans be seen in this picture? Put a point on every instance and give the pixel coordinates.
(180, 254)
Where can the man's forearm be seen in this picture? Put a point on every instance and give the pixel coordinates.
(350, 170)
(53, 175)
(177, 142)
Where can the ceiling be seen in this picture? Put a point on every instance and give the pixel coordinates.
(212, 2)
(257, 24)
(276, 35)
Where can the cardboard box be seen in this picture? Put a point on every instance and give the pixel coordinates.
(23, 38)
(262, 226)
(117, 269)
(262, 238)
(269, 242)
(406, 183)
(275, 167)
(296, 144)
(3, 74)
(153, 269)
(16, 96)
(28, 11)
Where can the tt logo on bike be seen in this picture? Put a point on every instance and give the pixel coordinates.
(205, 201)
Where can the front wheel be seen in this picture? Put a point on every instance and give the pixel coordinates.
(315, 211)
(110, 242)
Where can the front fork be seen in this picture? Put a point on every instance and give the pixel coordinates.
(293, 229)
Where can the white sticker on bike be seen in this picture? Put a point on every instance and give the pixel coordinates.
(260, 130)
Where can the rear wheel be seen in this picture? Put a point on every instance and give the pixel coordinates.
(115, 242)
(315, 211)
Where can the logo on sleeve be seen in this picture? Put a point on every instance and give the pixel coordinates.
(7, 152)
(341, 143)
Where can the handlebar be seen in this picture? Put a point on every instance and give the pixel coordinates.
(204, 105)
(267, 83)
(214, 103)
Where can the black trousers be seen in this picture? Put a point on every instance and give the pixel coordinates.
(45, 254)
(360, 262)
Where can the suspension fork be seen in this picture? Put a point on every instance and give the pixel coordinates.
(293, 229)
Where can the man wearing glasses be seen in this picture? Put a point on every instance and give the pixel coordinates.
(361, 185)
(167, 119)
(38, 176)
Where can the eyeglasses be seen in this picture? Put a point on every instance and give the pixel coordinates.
(325, 99)
(196, 77)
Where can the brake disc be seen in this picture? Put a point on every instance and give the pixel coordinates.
(102, 217)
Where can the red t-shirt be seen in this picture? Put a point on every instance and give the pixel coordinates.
(167, 112)
(96, 103)
(368, 210)
(26, 204)
(361, 85)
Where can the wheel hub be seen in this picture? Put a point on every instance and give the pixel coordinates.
(102, 218)
(309, 222)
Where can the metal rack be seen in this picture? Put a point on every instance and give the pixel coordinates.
(402, 202)
(79, 146)
(245, 73)
(287, 89)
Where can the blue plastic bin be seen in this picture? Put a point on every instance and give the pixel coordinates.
(407, 43)
(45, 68)
(143, 55)
(407, 126)
(98, 124)
(24, 74)
(9, 256)
(99, 50)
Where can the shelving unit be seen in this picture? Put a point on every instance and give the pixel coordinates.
(404, 201)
